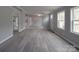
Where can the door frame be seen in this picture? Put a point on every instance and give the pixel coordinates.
(14, 17)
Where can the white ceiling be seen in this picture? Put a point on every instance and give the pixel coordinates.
(34, 10)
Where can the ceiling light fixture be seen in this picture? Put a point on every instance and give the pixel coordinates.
(39, 14)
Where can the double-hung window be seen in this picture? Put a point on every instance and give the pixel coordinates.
(61, 20)
(75, 20)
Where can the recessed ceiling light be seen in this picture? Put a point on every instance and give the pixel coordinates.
(39, 14)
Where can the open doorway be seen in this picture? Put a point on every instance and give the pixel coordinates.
(15, 23)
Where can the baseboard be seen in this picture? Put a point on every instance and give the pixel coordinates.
(67, 39)
(22, 29)
(6, 39)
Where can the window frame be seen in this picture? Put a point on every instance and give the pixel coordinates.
(58, 20)
(73, 20)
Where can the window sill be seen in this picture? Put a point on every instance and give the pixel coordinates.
(61, 28)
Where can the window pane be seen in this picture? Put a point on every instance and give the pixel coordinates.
(61, 20)
(75, 20)
(76, 26)
(51, 16)
(76, 13)
(61, 16)
(61, 24)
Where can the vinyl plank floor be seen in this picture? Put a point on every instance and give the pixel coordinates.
(37, 40)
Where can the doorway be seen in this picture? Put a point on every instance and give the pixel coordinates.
(15, 23)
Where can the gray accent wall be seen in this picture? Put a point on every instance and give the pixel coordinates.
(46, 21)
(6, 27)
(66, 34)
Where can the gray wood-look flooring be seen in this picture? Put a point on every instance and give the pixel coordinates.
(36, 40)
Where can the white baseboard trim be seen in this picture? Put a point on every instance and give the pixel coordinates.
(74, 44)
(22, 29)
(6, 39)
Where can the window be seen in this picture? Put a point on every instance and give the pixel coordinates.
(75, 20)
(61, 20)
(51, 21)
(51, 18)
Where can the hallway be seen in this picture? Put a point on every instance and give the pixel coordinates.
(37, 40)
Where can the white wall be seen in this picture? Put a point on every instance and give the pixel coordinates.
(6, 22)
(41, 22)
(6, 27)
(37, 22)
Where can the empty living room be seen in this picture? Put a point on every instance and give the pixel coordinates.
(41, 29)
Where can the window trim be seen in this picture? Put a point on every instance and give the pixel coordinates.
(72, 19)
(61, 20)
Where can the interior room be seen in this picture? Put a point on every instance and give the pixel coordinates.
(39, 28)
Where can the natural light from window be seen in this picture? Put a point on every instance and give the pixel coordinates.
(75, 20)
(61, 20)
